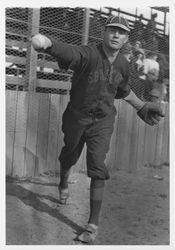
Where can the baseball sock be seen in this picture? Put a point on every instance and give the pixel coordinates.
(64, 176)
(96, 196)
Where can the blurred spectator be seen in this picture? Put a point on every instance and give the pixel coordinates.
(140, 56)
(150, 34)
(138, 45)
(137, 75)
(151, 26)
(151, 70)
(137, 31)
(127, 51)
(162, 80)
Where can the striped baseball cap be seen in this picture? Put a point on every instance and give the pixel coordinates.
(117, 21)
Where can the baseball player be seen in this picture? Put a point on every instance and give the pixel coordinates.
(100, 75)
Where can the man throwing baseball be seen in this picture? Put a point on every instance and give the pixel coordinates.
(100, 75)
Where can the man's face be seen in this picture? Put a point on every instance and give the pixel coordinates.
(114, 37)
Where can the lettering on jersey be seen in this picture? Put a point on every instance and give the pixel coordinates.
(101, 76)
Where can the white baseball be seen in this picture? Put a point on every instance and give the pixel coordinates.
(38, 41)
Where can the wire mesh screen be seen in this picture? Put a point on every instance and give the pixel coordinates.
(16, 45)
(68, 25)
(64, 24)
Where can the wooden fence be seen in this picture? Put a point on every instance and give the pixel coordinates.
(34, 137)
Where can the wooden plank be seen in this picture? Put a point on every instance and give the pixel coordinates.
(40, 63)
(150, 144)
(140, 144)
(54, 127)
(133, 142)
(31, 55)
(20, 135)
(42, 132)
(11, 105)
(15, 80)
(168, 137)
(22, 60)
(119, 136)
(130, 151)
(48, 64)
(81, 165)
(159, 139)
(30, 158)
(53, 84)
(16, 60)
(168, 152)
(165, 139)
(11, 102)
(64, 99)
(123, 135)
(111, 155)
(16, 43)
(10, 136)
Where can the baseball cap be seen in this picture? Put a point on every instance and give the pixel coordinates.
(117, 21)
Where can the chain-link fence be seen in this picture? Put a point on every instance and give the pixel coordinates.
(81, 26)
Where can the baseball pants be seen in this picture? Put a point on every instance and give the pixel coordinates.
(96, 133)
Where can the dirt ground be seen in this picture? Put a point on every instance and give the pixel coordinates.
(135, 209)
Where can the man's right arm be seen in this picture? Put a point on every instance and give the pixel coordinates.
(68, 56)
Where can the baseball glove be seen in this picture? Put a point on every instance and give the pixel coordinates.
(150, 113)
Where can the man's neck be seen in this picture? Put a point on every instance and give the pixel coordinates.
(111, 54)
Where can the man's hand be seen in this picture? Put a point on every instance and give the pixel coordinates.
(41, 42)
(150, 113)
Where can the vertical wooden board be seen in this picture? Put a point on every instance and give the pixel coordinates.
(132, 164)
(129, 140)
(167, 159)
(81, 166)
(31, 134)
(110, 157)
(140, 143)
(10, 136)
(166, 132)
(119, 136)
(54, 126)
(150, 144)
(42, 132)
(123, 135)
(159, 139)
(11, 105)
(64, 99)
(20, 135)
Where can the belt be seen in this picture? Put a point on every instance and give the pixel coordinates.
(90, 113)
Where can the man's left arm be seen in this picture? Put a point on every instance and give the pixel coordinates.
(134, 101)
(149, 112)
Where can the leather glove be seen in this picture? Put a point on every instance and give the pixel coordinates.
(150, 113)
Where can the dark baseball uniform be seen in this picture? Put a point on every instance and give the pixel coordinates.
(90, 114)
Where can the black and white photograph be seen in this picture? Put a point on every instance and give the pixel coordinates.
(87, 124)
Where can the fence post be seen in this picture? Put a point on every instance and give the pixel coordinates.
(31, 100)
(31, 57)
(164, 31)
(86, 19)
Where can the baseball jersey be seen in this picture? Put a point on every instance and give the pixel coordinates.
(96, 82)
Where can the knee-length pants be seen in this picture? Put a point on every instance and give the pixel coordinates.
(96, 133)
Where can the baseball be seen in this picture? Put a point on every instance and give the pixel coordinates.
(38, 41)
